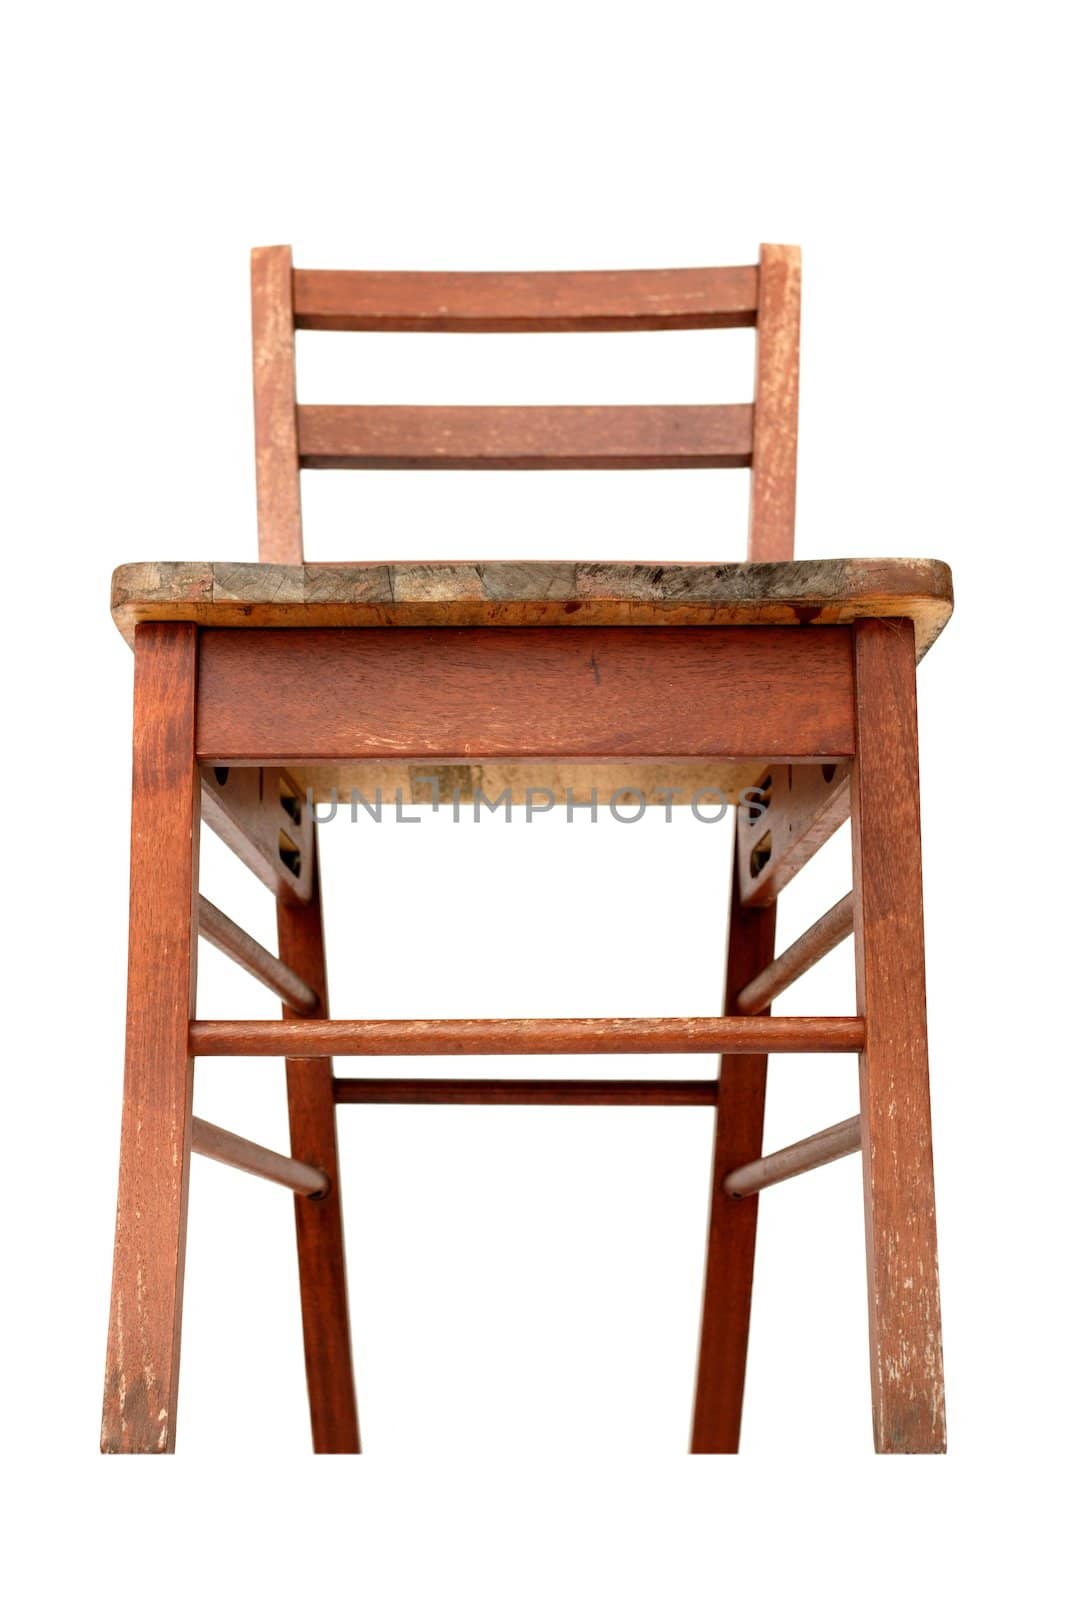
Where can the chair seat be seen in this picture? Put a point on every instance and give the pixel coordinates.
(532, 593)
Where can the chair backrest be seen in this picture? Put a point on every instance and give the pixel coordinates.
(762, 436)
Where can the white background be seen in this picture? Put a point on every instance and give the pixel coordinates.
(525, 1285)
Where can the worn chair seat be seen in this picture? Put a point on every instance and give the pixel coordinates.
(532, 593)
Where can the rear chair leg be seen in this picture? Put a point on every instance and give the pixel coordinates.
(733, 1223)
(319, 1223)
(906, 1358)
(140, 1396)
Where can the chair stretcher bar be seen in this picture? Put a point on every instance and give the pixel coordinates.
(539, 1036)
(825, 934)
(225, 935)
(220, 1145)
(842, 1139)
(525, 1091)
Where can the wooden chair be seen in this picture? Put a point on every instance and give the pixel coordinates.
(253, 682)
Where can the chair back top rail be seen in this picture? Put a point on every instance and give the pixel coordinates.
(526, 302)
(761, 436)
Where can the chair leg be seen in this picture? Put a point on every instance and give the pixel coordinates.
(140, 1396)
(733, 1223)
(906, 1359)
(319, 1222)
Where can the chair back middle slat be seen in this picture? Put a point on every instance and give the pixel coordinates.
(516, 437)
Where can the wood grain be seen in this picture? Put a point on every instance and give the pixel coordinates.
(543, 1036)
(524, 437)
(319, 1222)
(144, 1339)
(534, 593)
(277, 479)
(526, 302)
(722, 1361)
(330, 694)
(905, 1345)
(774, 465)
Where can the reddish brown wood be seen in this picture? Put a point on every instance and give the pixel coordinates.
(776, 405)
(842, 1139)
(144, 1340)
(219, 1144)
(827, 932)
(900, 1213)
(225, 935)
(319, 1222)
(502, 674)
(524, 1092)
(804, 805)
(536, 437)
(333, 694)
(277, 478)
(722, 1362)
(543, 1036)
(260, 814)
(526, 302)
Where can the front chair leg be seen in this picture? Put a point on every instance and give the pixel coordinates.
(905, 1348)
(140, 1396)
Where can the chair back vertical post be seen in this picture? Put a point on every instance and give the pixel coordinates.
(277, 461)
(771, 535)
